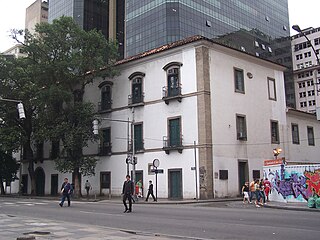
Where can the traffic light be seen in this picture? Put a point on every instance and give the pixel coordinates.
(21, 111)
(95, 127)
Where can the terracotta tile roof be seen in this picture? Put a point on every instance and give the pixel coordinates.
(162, 48)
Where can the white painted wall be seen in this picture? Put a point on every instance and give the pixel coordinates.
(225, 104)
(254, 104)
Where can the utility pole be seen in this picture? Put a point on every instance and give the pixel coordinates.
(130, 159)
(134, 162)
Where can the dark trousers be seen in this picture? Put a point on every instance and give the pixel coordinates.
(87, 189)
(64, 196)
(151, 193)
(124, 199)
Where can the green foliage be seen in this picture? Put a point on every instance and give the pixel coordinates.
(61, 59)
(8, 167)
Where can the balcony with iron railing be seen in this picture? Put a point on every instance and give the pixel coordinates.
(105, 149)
(135, 100)
(105, 106)
(171, 143)
(138, 147)
(171, 93)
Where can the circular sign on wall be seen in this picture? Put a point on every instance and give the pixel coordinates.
(156, 163)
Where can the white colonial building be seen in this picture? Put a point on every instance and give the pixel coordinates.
(224, 100)
(209, 113)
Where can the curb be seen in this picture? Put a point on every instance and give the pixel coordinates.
(293, 208)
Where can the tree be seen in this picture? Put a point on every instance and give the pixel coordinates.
(9, 141)
(66, 54)
(8, 169)
(18, 81)
(62, 59)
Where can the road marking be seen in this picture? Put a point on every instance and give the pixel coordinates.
(98, 213)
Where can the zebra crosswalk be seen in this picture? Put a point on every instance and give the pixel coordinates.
(21, 203)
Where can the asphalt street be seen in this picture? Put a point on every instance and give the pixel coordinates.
(194, 221)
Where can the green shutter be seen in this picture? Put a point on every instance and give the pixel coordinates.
(174, 131)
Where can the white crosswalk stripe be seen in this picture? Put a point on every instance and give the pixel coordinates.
(16, 204)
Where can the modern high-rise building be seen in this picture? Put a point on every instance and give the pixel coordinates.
(89, 14)
(259, 27)
(152, 23)
(306, 69)
(36, 13)
(104, 15)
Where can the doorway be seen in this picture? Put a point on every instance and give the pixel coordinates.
(24, 184)
(243, 173)
(175, 183)
(40, 181)
(54, 184)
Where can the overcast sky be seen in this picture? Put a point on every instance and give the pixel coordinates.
(305, 13)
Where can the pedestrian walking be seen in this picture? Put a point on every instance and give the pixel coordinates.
(267, 188)
(150, 192)
(88, 187)
(139, 189)
(262, 193)
(251, 191)
(257, 192)
(245, 192)
(66, 190)
(127, 191)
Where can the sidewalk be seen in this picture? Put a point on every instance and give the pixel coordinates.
(275, 205)
(231, 202)
(24, 228)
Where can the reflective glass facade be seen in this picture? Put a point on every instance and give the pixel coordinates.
(151, 23)
(259, 27)
(88, 14)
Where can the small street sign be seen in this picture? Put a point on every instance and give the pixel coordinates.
(157, 171)
(193, 168)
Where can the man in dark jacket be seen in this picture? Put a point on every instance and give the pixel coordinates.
(66, 191)
(150, 192)
(127, 191)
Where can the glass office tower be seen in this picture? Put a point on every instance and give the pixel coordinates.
(259, 27)
(88, 14)
(151, 23)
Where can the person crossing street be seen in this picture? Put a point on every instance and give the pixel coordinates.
(127, 191)
(66, 191)
(150, 192)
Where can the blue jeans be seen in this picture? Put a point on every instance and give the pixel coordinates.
(251, 195)
(64, 196)
(257, 192)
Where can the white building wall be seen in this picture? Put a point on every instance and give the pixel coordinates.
(225, 104)
(303, 152)
(257, 108)
(154, 115)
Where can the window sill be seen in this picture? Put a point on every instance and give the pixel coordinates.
(140, 104)
(173, 148)
(176, 97)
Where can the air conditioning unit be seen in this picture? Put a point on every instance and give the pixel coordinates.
(242, 136)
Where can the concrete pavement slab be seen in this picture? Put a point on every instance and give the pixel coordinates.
(15, 227)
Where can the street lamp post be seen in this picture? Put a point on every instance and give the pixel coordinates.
(276, 152)
(19, 106)
(22, 115)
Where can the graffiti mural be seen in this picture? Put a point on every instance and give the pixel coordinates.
(293, 182)
(313, 181)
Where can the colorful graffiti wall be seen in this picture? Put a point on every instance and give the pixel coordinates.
(293, 183)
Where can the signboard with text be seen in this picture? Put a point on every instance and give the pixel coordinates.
(272, 162)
